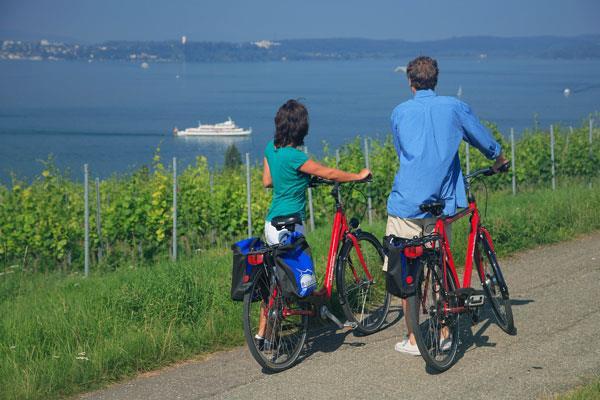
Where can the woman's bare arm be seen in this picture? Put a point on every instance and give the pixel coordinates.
(314, 168)
(267, 179)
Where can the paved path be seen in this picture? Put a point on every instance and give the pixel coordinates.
(556, 297)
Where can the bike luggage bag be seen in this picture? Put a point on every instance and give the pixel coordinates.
(241, 272)
(404, 266)
(295, 272)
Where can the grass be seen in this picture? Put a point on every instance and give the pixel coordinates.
(64, 334)
(590, 391)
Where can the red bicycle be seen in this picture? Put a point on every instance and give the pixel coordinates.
(355, 258)
(439, 302)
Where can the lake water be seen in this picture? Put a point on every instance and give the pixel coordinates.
(113, 116)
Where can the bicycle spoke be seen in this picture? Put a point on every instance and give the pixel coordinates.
(431, 323)
(492, 282)
(283, 336)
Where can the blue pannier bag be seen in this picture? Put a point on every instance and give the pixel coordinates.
(296, 271)
(242, 270)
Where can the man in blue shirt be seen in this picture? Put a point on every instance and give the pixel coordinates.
(427, 132)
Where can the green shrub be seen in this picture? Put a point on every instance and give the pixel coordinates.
(41, 223)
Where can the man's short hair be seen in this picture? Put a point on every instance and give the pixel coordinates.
(423, 73)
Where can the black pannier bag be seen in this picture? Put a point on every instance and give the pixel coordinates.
(404, 266)
(242, 270)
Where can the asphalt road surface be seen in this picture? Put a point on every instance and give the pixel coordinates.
(555, 292)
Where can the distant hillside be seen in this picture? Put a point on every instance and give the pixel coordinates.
(303, 49)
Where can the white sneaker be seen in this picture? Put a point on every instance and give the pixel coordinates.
(408, 348)
(400, 345)
(446, 343)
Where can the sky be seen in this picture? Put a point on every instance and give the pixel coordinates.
(244, 20)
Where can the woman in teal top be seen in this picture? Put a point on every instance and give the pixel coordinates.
(287, 169)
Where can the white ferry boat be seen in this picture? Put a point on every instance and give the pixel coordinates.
(227, 128)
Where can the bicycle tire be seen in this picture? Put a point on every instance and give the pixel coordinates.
(365, 302)
(427, 316)
(494, 285)
(287, 335)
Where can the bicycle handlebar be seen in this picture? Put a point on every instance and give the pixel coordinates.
(272, 248)
(316, 181)
(417, 241)
(489, 171)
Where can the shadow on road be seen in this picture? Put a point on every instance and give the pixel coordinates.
(327, 338)
(473, 335)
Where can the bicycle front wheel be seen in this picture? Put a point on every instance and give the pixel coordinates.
(364, 298)
(266, 311)
(494, 284)
(434, 317)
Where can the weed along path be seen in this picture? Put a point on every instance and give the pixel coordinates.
(554, 290)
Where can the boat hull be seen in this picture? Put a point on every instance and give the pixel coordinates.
(213, 134)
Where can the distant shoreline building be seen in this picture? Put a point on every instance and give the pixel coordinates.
(265, 44)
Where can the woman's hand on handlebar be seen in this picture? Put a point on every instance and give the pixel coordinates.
(311, 167)
(363, 174)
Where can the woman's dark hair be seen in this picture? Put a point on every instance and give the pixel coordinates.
(291, 124)
(423, 73)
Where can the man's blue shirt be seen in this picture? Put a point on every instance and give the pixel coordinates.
(427, 132)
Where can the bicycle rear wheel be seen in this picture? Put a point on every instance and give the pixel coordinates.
(431, 316)
(365, 301)
(494, 285)
(284, 335)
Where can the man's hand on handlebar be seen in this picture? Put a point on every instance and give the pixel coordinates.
(501, 164)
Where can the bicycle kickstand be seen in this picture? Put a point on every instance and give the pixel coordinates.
(325, 313)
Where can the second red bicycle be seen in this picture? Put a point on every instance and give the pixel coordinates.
(355, 259)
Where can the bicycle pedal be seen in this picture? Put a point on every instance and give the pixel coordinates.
(475, 300)
(465, 293)
(350, 324)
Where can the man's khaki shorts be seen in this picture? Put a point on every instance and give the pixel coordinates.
(408, 228)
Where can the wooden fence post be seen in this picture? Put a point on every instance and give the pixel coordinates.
(512, 161)
(310, 203)
(98, 220)
(467, 159)
(369, 201)
(86, 218)
(552, 157)
(248, 195)
(591, 151)
(174, 251)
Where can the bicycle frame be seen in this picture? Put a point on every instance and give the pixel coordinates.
(475, 231)
(436, 309)
(339, 232)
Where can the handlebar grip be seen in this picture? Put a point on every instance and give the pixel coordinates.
(316, 180)
(504, 167)
(368, 179)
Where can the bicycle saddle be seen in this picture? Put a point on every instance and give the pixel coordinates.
(435, 208)
(286, 221)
